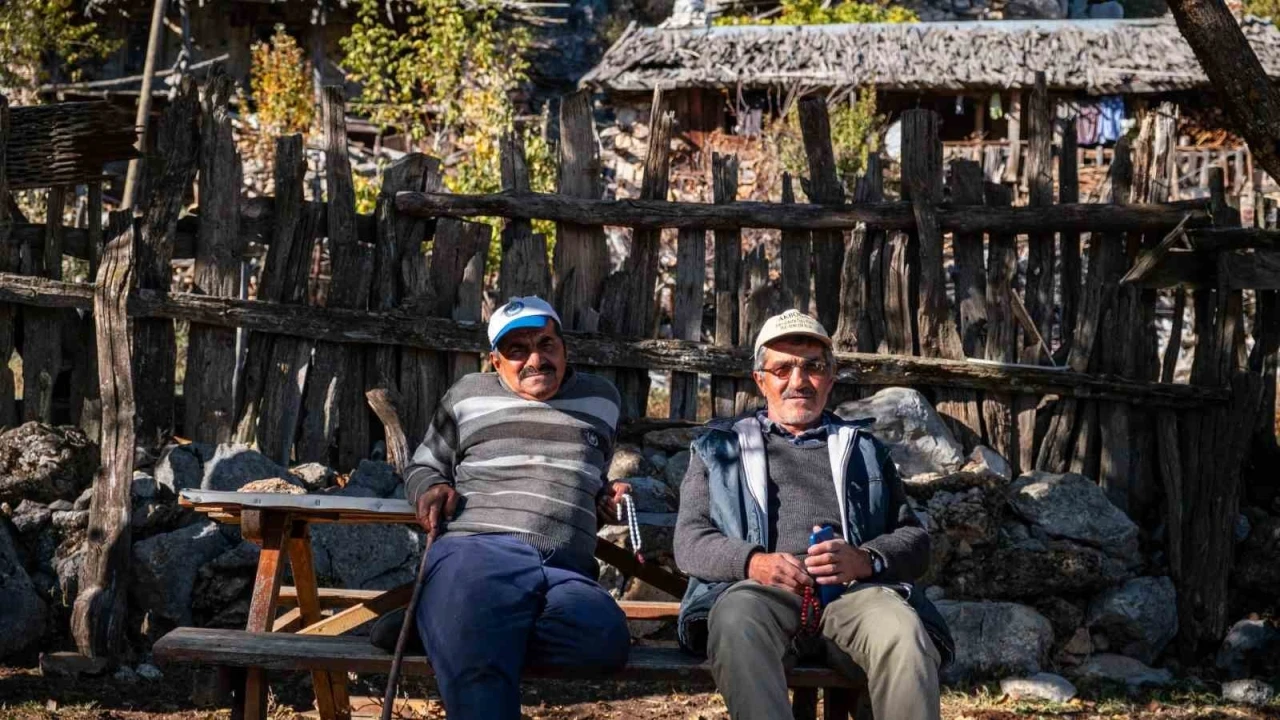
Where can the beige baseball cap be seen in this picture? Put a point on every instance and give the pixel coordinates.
(791, 322)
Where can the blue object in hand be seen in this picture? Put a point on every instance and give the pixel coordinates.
(826, 593)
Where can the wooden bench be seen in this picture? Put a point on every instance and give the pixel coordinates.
(303, 639)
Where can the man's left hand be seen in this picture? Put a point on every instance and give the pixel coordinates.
(836, 562)
(607, 502)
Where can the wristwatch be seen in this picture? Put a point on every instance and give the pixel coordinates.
(877, 564)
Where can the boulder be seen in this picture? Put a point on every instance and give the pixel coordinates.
(233, 466)
(1139, 618)
(1251, 647)
(672, 440)
(1030, 571)
(1033, 10)
(223, 586)
(144, 486)
(22, 620)
(1122, 669)
(652, 495)
(379, 477)
(86, 497)
(677, 466)
(71, 520)
(918, 440)
(987, 462)
(43, 463)
(994, 638)
(182, 466)
(1041, 686)
(1072, 507)
(366, 557)
(966, 516)
(164, 572)
(1257, 565)
(1248, 692)
(314, 476)
(628, 461)
(30, 517)
(1065, 615)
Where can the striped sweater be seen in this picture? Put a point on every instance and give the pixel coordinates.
(524, 468)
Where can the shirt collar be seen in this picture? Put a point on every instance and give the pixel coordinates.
(816, 435)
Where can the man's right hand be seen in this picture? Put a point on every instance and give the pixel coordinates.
(435, 506)
(781, 570)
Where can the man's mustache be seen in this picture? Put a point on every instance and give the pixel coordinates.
(799, 393)
(543, 369)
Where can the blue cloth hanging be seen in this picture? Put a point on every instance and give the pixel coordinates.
(1111, 117)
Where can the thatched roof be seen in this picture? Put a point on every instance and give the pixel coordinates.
(1099, 57)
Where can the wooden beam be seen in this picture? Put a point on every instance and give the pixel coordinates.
(352, 326)
(650, 214)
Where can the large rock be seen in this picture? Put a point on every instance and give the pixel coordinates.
(43, 463)
(366, 557)
(378, 476)
(182, 466)
(1252, 647)
(164, 572)
(628, 461)
(1032, 569)
(1041, 686)
(1073, 507)
(1248, 692)
(652, 495)
(1257, 566)
(677, 466)
(1139, 618)
(965, 517)
(22, 612)
(233, 466)
(672, 440)
(917, 438)
(30, 517)
(1122, 669)
(223, 588)
(995, 638)
(314, 476)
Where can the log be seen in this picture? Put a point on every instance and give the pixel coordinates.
(337, 325)
(98, 617)
(648, 214)
(385, 403)
(727, 281)
(9, 262)
(209, 388)
(581, 255)
(170, 172)
(796, 257)
(691, 275)
(524, 255)
(824, 188)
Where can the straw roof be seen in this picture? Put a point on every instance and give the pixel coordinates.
(1098, 57)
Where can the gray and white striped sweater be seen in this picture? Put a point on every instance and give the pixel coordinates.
(524, 468)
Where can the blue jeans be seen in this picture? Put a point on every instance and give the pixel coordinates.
(492, 605)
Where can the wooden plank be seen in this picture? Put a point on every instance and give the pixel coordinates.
(209, 390)
(796, 257)
(691, 275)
(361, 613)
(1002, 265)
(291, 652)
(422, 373)
(469, 296)
(971, 276)
(1069, 242)
(581, 255)
(302, 563)
(1040, 246)
(870, 188)
(338, 326)
(276, 529)
(1116, 459)
(524, 255)
(727, 281)
(85, 404)
(899, 338)
(651, 214)
(823, 187)
(98, 616)
(42, 328)
(9, 262)
(170, 171)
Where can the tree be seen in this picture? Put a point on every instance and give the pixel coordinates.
(37, 36)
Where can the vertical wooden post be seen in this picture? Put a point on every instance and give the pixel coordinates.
(871, 189)
(86, 408)
(98, 618)
(208, 390)
(8, 263)
(581, 254)
(728, 280)
(422, 378)
(971, 276)
(170, 172)
(1040, 250)
(469, 296)
(524, 255)
(691, 275)
(859, 278)
(796, 257)
(1002, 265)
(824, 187)
(1069, 242)
(1116, 461)
(761, 297)
(42, 327)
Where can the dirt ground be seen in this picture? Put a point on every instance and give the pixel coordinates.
(25, 694)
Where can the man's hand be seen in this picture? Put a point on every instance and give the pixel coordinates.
(836, 562)
(781, 570)
(608, 500)
(435, 506)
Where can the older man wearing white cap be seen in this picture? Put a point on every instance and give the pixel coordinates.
(795, 530)
(511, 474)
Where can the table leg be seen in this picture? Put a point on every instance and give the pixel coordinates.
(330, 688)
(804, 703)
(271, 530)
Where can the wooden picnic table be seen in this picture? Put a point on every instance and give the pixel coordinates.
(280, 525)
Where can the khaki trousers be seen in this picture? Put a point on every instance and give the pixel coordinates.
(871, 628)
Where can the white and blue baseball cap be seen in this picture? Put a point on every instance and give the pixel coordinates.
(519, 312)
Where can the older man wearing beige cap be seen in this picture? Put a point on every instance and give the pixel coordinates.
(796, 533)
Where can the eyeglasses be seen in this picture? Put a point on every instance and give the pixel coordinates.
(809, 367)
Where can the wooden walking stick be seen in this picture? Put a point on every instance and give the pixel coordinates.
(393, 679)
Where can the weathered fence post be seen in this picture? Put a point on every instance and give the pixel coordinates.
(98, 617)
(1002, 268)
(209, 389)
(728, 280)
(422, 378)
(1116, 460)
(1040, 250)
(8, 263)
(795, 256)
(691, 276)
(581, 254)
(824, 187)
(1069, 242)
(524, 255)
(971, 276)
(42, 327)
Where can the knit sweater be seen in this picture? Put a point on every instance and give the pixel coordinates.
(524, 468)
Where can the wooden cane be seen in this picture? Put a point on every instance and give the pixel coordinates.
(389, 698)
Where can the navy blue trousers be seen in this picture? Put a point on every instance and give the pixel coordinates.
(493, 605)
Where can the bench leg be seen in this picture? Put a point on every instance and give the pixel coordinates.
(271, 530)
(232, 682)
(330, 688)
(804, 703)
(837, 703)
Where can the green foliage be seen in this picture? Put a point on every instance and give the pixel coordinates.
(1269, 9)
(855, 134)
(37, 35)
(816, 12)
(280, 82)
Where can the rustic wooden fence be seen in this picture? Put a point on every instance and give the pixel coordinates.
(1058, 370)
